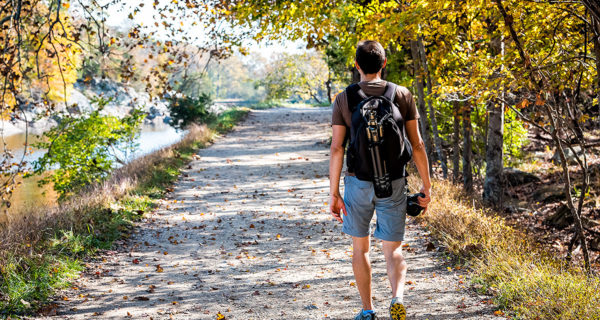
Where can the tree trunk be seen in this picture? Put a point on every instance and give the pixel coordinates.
(596, 41)
(576, 213)
(436, 135)
(456, 143)
(467, 149)
(328, 86)
(492, 186)
(421, 101)
(355, 75)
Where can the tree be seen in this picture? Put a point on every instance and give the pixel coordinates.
(46, 45)
(553, 111)
(467, 148)
(302, 76)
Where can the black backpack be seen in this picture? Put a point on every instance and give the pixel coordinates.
(379, 149)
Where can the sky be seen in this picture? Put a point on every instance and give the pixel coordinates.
(117, 17)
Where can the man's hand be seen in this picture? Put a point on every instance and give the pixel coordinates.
(424, 202)
(420, 159)
(336, 206)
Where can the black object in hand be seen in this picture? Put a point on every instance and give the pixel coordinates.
(413, 208)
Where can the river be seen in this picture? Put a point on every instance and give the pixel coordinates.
(29, 194)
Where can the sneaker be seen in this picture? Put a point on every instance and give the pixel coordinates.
(362, 316)
(397, 310)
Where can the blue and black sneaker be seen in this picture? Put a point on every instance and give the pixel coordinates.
(365, 315)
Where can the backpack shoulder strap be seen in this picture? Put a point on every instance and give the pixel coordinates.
(390, 91)
(355, 95)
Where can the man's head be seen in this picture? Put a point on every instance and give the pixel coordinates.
(370, 56)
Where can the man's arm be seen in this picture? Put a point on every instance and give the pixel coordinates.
(420, 159)
(336, 162)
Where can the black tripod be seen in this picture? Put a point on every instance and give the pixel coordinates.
(381, 177)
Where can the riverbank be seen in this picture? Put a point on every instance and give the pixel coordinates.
(42, 249)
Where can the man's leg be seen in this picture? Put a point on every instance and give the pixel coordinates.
(361, 264)
(396, 266)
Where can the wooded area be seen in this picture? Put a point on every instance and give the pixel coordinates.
(508, 90)
(480, 61)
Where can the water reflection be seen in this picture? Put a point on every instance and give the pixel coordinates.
(29, 194)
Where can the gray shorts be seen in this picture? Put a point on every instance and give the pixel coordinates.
(360, 201)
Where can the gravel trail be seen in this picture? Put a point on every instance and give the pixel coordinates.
(246, 234)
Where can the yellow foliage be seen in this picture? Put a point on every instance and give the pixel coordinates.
(45, 63)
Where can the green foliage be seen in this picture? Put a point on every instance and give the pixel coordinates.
(337, 61)
(515, 138)
(82, 151)
(299, 77)
(229, 118)
(398, 70)
(266, 104)
(27, 281)
(188, 110)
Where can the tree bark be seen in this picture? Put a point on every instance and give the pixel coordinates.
(456, 143)
(424, 123)
(467, 148)
(576, 213)
(492, 186)
(596, 41)
(355, 75)
(594, 7)
(436, 135)
(328, 86)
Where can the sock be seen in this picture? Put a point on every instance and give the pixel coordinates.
(398, 299)
(366, 312)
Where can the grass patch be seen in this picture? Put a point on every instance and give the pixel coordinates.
(43, 251)
(526, 281)
(321, 105)
(268, 104)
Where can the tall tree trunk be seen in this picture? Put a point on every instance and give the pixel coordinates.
(414, 50)
(355, 75)
(328, 86)
(492, 186)
(467, 148)
(596, 41)
(575, 213)
(436, 135)
(456, 143)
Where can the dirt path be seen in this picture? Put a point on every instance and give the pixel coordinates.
(246, 233)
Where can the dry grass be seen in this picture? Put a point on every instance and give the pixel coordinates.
(526, 281)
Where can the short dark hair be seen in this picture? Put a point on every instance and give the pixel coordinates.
(370, 56)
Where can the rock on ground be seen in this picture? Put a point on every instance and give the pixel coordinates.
(246, 234)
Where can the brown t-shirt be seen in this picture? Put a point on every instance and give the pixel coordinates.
(404, 100)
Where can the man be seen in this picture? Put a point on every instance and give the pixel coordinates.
(359, 200)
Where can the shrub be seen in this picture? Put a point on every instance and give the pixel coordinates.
(188, 110)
